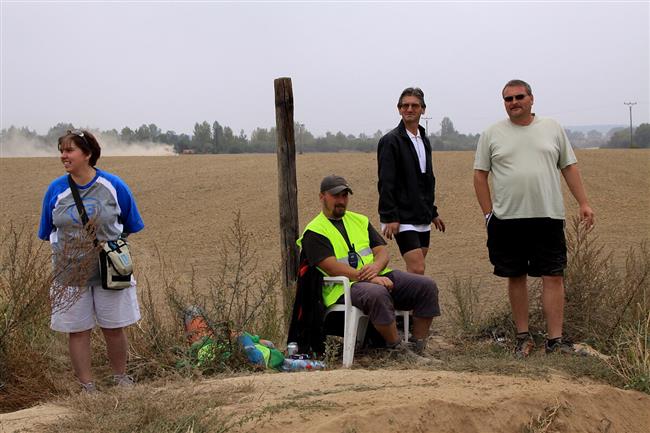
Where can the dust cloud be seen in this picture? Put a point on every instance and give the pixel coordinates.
(18, 145)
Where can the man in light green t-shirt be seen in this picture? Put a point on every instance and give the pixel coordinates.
(525, 215)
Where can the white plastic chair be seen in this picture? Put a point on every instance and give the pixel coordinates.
(355, 322)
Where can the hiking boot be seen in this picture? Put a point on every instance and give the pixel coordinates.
(417, 345)
(524, 345)
(560, 345)
(123, 380)
(402, 352)
(88, 388)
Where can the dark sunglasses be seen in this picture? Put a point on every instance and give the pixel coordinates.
(517, 97)
(406, 106)
(79, 133)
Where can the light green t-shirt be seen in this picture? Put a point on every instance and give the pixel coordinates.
(525, 162)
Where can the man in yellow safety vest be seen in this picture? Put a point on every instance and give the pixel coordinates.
(343, 243)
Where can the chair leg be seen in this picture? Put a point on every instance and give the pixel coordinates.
(406, 326)
(361, 330)
(351, 326)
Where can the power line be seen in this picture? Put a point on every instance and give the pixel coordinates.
(426, 125)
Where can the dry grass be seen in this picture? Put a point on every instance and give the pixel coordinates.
(544, 421)
(599, 297)
(333, 350)
(468, 314)
(30, 289)
(632, 355)
(235, 300)
(145, 409)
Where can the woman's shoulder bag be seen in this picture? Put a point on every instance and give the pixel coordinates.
(115, 264)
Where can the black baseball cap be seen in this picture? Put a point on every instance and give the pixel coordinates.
(334, 184)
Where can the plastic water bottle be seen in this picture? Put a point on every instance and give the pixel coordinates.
(302, 365)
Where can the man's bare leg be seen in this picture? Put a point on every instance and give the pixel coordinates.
(421, 326)
(518, 294)
(553, 304)
(388, 332)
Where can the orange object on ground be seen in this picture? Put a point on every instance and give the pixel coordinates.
(196, 327)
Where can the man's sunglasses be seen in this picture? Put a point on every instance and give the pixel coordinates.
(517, 97)
(406, 106)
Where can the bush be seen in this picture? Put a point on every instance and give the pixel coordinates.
(236, 299)
(468, 316)
(600, 300)
(29, 291)
(631, 359)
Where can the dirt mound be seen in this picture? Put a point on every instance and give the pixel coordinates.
(407, 401)
(421, 401)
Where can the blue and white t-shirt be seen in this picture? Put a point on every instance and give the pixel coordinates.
(109, 204)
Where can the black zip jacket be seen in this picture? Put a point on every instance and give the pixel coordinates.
(405, 194)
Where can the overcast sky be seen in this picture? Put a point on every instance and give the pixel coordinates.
(108, 65)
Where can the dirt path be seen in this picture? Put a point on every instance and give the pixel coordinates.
(363, 401)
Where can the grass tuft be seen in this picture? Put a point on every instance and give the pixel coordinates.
(543, 422)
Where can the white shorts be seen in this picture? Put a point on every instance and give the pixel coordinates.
(107, 308)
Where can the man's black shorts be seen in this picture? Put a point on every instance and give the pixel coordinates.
(410, 240)
(533, 246)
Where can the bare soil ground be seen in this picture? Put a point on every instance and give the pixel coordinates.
(410, 400)
(188, 203)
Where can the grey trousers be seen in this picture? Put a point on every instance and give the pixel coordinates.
(410, 292)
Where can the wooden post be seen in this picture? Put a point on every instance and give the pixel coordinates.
(287, 187)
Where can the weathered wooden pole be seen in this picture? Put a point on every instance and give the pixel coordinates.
(287, 186)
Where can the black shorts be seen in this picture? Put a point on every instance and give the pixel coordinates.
(527, 246)
(410, 240)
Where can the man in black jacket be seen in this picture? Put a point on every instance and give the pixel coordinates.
(406, 183)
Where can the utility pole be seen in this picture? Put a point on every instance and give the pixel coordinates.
(426, 125)
(301, 128)
(630, 104)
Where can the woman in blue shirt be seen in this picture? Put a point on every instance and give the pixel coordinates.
(112, 212)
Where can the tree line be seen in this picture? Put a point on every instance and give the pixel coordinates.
(620, 137)
(215, 138)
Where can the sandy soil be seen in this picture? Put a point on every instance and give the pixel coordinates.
(364, 401)
(188, 202)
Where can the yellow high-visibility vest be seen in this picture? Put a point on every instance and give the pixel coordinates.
(356, 226)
